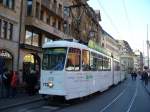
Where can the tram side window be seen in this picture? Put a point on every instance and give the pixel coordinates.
(106, 64)
(73, 60)
(93, 61)
(116, 66)
(100, 63)
(122, 67)
(85, 60)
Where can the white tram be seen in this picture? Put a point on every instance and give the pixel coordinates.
(73, 70)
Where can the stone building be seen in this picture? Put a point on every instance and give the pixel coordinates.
(110, 44)
(25, 25)
(9, 33)
(81, 21)
(41, 21)
(138, 60)
(126, 55)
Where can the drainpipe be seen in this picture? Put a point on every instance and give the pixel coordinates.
(20, 34)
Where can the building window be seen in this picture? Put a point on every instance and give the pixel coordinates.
(60, 9)
(0, 27)
(54, 23)
(42, 14)
(47, 39)
(55, 2)
(65, 28)
(66, 12)
(35, 39)
(28, 37)
(11, 4)
(5, 2)
(48, 19)
(69, 29)
(8, 3)
(102, 44)
(10, 31)
(5, 29)
(32, 38)
(59, 25)
(37, 10)
(29, 7)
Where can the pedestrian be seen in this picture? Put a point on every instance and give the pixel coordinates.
(7, 81)
(31, 83)
(1, 77)
(134, 75)
(37, 81)
(145, 77)
(14, 81)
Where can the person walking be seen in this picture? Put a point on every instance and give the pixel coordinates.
(1, 83)
(6, 81)
(14, 81)
(31, 83)
(145, 77)
(134, 75)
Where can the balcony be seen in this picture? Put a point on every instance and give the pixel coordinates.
(52, 7)
(30, 21)
(25, 46)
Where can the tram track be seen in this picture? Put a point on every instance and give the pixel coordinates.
(119, 98)
(24, 106)
(88, 99)
(56, 107)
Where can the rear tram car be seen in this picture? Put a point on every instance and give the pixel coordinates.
(73, 70)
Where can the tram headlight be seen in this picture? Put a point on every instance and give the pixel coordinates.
(50, 84)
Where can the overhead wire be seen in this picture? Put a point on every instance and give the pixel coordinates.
(127, 18)
(110, 19)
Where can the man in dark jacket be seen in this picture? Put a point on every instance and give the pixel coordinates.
(145, 77)
(7, 82)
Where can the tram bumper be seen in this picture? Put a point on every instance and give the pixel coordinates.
(53, 92)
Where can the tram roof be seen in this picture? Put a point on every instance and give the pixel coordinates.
(63, 43)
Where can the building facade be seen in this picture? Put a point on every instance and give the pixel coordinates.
(9, 33)
(126, 55)
(138, 60)
(81, 21)
(41, 21)
(110, 44)
(25, 25)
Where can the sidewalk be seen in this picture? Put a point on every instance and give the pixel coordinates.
(20, 99)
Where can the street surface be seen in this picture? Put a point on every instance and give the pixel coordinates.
(128, 96)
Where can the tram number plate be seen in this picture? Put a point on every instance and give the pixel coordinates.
(45, 84)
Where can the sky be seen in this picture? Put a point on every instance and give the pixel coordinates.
(125, 20)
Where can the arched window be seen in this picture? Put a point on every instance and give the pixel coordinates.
(6, 59)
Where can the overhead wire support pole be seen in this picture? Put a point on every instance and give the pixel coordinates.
(147, 48)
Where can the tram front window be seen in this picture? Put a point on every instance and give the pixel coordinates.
(54, 58)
